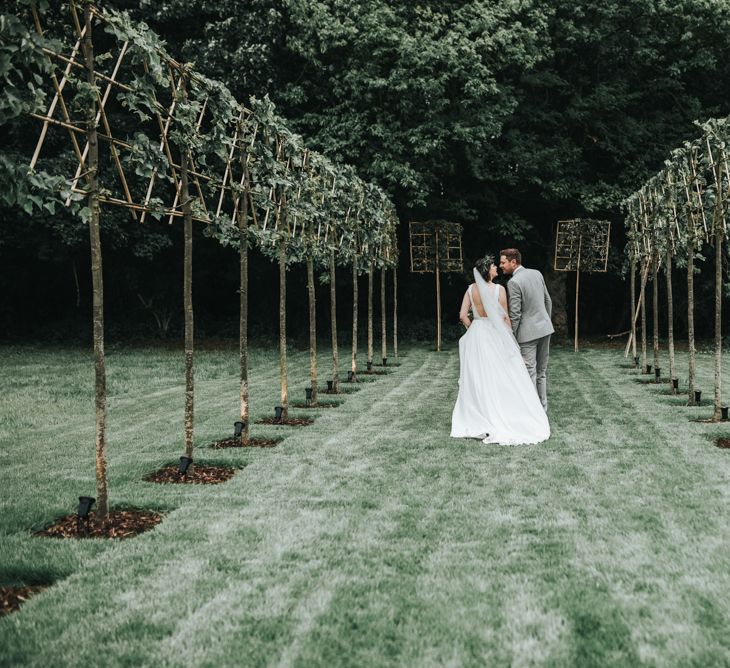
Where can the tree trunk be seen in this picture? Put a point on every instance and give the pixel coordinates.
(633, 308)
(642, 297)
(102, 500)
(333, 326)
(355, 298)
(692, 359)
(655, 310)
(395, 313)
(187, 296)
(383, 323)
(282, 332)
(243, 301)
(670, 321)
(718, 311)
(370, 314)
(312, 328)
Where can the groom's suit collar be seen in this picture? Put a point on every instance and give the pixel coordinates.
(520, 268)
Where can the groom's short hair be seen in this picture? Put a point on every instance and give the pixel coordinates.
(512, 254)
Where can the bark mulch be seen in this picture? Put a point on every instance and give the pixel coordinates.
(723, 443)
(118, 524)
(252, 443)
(376, 372)
(12, 597)
(199, 474)
(289, 422)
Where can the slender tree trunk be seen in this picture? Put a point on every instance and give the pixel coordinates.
(243, 302)
(642, 297)
(312, 328)
(282, 332)
(633, 308)
(370, 314)
(655, 309)
(692, 353)
(333, 320)
(76, 280)
(102, 499)
(718, 311)
(355, 298)
(187, 297)
(670, 321)
(383, 323)
(395, 313)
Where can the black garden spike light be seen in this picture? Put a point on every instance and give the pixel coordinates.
(184, 465)
(309, 392)
(82, 514)
(350, 376)
(648, 368)
(636, 361)
(675, 383)
(698, 396)
(370, 366)
(385, 361)
(657, 372)
(724, 412)
(238, 428)
(278, 413)
(330, 386)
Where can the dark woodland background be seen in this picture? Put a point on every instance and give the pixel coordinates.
(504, 116)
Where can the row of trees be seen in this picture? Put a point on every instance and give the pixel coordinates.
(670, 221)
(191, 152)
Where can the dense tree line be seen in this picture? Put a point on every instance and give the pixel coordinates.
(502, 115)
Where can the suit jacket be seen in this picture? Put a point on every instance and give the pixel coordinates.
(530, 306)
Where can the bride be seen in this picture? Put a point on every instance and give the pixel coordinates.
(497, 401)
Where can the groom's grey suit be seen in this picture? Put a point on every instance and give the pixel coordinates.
(530, 310)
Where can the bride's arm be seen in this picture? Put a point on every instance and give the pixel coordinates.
(464, 313)
(503, 304)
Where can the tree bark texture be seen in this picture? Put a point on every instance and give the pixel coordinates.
(670, 320)
(283, 375)
(333, 325)
(312, 328)
(243, 302)
(383, 322)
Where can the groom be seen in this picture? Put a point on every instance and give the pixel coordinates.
(530, 310)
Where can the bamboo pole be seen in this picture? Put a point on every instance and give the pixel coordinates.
(395, 313)
(355, 298)
(370, 314)
(102, 498)
(670, 320)
(333, 325)
(312, 328)
(383, 323)
(242, 216)
(283, 375)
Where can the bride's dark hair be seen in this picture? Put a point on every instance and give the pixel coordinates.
(483, 265)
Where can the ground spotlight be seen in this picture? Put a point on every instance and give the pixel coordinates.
(675, 383)
(385, 361)
(636, 360)
(350, 376)
(330, 386)
(278, 413)
(648, 368)
(657, 372)
(724, 412)
(82, 514)
(370, 366)
(309, 391)
(185, 462)
(698, 396)
(238, 428)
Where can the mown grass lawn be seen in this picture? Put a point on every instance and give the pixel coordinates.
(370, 537)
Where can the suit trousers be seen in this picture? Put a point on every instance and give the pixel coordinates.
(536, 354)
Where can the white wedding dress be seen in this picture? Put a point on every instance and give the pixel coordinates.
(497, 401)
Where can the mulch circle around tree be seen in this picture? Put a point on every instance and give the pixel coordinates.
(322, 404)
(12, 597)
(723, 443)
(252, 443)
(651, 381)
(199, 474)
(118, 524)
(289, 422)
(376, 372)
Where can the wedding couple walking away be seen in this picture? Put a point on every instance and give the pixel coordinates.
(504, 355)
